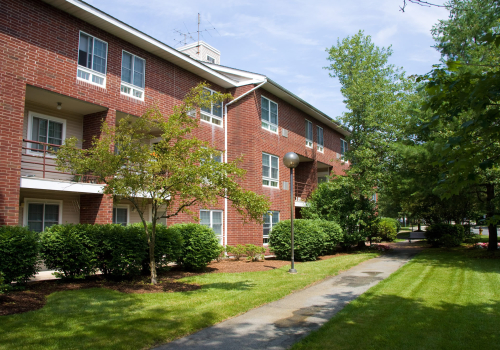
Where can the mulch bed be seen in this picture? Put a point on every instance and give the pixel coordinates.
(34, 297)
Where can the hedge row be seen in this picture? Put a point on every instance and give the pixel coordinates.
(81, 250)
(312, 238)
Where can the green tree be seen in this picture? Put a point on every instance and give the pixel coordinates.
(178, 172)
(466, 93)
(378, 97)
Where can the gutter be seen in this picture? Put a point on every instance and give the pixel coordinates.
(226, 150)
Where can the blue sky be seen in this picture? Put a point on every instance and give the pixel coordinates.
(286, 39)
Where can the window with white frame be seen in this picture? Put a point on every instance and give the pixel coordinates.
(40, 214)
(343, 146)
(320, 141)
(48, 132)
(271, 218)
(212, 219)
(210, 59)
(269, 114)
(133, 75)
(212, 114)
(374, 197)
(270, 170)
(309, 133)
(120, 215)
(92, 60)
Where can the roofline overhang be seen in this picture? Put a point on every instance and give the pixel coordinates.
(102, 20)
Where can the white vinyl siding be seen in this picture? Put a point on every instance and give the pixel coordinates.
(271, 218)
(212, 219)
(212, 114)
(270, 170)
(133, 75)
(320, 142)
(269, 114)
(309, 134)
(92, 60)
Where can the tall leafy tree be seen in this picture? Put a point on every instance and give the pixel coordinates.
(465, 93)
(180, 171)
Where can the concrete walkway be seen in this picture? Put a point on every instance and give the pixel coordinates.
(280, 324)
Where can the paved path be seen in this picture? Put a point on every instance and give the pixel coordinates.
(282, 323)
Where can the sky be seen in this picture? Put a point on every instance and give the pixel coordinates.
(286, 40)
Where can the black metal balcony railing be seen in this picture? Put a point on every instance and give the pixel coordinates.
(39, 160)
(302, 191)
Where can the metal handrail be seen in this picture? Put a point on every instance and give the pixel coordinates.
(47, 153)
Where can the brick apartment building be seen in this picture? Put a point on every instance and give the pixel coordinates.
(66, 67)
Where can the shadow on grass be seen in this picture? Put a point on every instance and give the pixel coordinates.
(393, 322)
(98, 319)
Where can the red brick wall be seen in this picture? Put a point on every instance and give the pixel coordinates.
(45, 55)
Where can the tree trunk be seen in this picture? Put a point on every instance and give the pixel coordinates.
(419, 229)
(152, 263)
(492, 228)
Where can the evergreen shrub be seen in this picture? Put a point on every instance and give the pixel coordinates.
(445, 235)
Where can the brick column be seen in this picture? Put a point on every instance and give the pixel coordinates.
(12, 95)
(96, 208)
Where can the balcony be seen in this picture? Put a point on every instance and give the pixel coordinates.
(302, 192)
(38, 171)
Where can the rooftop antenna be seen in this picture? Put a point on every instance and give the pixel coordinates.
(187, 36)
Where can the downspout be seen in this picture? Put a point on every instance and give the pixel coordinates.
(225, 150)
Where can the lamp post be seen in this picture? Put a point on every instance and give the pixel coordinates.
(291, 160)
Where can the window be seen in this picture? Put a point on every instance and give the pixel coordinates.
(343, 147)
(320, 139)
(270, 170)
(212, 219)
(210, 59)
(269, 114)
(374, 197)
(309, 134)
(92, 57)
(271, 218)
(120, 215)
(133, 69)
(46, 129)
(40, 214)
(212, 114)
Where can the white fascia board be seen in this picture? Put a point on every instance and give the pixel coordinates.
(296, 101)
(252, 78)
(53, 185)
(116, 27)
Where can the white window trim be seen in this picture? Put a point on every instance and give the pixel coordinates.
(343, 144)
(211, 211)
(89, 70)
(210, 115)
(28, 201)
(321, 148)
(269, 178)
(30, 132)
(126, 206)
(129, 85)
(271, 228)
(309, 143)
(268, 128)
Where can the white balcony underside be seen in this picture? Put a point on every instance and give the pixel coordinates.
(300, 204)
(54, 185)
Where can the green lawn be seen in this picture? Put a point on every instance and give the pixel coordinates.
(105, 319)
(440, 300)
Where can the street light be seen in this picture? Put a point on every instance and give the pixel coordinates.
(291, 160)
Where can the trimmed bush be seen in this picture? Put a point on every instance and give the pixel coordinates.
(445, 235)
(237, 251)
(168, 245)
(70, 249)
(333, 235)
(19, 253)
(309, 240)
(351, 239)
(387, 230)
(394, 222)
(254, 252)
(200, 245)
(119, 250)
